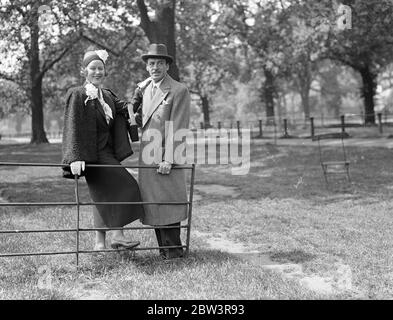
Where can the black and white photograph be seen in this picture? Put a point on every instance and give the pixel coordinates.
(196, 156)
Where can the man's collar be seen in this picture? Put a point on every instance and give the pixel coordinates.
(159, 82)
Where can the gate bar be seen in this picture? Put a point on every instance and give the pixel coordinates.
(77, 203)
(24, 254)
(77, 219)
(190, 209)
(21, 204)
(87, 229)
(32, 164)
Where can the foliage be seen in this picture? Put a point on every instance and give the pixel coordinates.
(12, 99)
(206, 61)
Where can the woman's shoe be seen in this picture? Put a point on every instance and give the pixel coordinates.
(124, 244)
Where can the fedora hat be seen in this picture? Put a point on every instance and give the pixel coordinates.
(157, 50)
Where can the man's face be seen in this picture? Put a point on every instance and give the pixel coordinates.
(157, 68)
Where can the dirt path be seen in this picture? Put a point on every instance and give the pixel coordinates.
(337, 282)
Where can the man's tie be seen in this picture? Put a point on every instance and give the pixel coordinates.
(153, 91)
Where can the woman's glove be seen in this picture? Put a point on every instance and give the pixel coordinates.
(77, 167)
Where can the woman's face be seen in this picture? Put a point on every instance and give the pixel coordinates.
(95, 72)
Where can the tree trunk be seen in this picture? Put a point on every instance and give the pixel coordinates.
(161, 29)
(268, 94)
(206, 111)
(304, 84)
(368, 92)
(18, 122)
(37, 117)
(280, 106)
(305, 97)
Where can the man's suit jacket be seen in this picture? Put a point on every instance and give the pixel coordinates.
(171, 103)
(80, 141)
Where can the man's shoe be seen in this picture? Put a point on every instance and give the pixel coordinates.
(99, 247)
(172, 254)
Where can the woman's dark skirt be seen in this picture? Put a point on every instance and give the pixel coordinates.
(113, 185)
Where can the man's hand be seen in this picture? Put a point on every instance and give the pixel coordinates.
(132, 120)
(164, 167)
(138, 119)
(77, 167)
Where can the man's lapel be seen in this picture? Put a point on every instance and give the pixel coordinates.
(160, 95)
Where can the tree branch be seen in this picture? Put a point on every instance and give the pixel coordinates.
(145, 20)
(129, 42)
(99, 45)
(345, 62)
(49, 64)
(117, 54)
(8, 78)
(194, 92)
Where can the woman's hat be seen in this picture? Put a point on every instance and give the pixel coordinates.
(157, 50)
(92, 55)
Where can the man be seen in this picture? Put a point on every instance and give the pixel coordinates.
(165, 110)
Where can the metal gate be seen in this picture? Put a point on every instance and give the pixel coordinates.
(77, 203)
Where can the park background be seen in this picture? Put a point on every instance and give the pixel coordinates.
(278, 232)
(242, 60)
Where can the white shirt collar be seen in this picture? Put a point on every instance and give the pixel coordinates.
(157, 85)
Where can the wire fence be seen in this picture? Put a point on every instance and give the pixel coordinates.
(78, 204)
(357, 125)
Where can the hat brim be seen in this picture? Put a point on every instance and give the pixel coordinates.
(156, 56)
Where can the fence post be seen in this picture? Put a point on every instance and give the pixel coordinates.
(189, 215)
(312, 127)
(275, 131)
(238, 127)
(363, 118)
(260, 128)
(380, 122)
(342, 124)
(285, 128)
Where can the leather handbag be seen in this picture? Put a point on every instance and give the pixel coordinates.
(132, 128)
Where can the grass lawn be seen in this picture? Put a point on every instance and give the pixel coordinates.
(281, 209)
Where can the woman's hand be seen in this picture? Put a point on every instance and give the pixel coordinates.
(164, 167)
(77, 167)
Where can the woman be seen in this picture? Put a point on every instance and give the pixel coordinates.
(95, 132)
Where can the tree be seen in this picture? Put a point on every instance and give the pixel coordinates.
(367, 46)
(205, 59)
(24, 31)
(258, 27)
(43, 33)
(12, 99)
(159, 27)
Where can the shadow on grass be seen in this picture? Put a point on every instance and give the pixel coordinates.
(31, 153)
(295, 256)
(50, 189)
(151, 263)
(276, 172)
